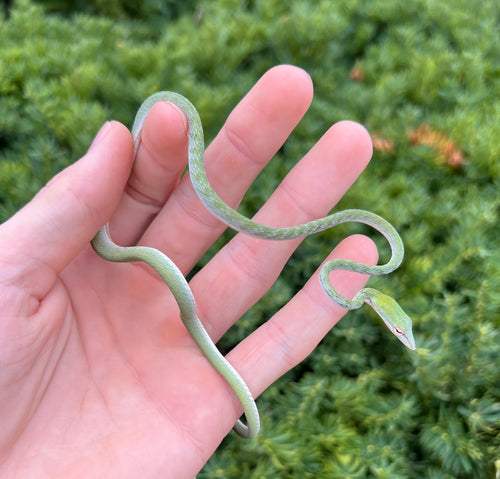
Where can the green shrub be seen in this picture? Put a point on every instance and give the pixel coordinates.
(423, 76)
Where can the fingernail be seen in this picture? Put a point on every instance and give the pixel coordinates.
(100, 136)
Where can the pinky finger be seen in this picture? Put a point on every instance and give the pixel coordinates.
(294, 331)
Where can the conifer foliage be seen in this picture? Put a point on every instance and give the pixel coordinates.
(423, 77)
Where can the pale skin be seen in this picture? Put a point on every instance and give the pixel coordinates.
(98, 376)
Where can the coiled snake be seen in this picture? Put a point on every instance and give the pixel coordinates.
(390, 312)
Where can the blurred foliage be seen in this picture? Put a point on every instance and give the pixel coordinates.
(423, 76)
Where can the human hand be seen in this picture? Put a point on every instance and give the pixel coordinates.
(99, 376)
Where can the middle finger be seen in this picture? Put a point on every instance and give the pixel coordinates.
(252, 134)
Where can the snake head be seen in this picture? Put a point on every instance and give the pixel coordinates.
(398, 322)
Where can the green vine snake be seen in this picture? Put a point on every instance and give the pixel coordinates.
(387, 308)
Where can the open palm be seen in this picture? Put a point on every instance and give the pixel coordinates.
(98, 376)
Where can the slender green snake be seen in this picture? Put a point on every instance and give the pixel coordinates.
(387, 308)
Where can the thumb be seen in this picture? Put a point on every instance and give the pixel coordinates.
(64, 216)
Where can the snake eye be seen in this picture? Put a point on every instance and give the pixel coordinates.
(398, 331)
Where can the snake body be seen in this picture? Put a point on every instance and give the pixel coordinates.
(388, 309)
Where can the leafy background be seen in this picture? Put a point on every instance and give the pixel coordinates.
(423, 76)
